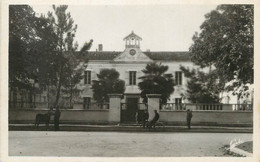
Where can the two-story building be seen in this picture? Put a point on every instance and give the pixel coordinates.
(130, 63)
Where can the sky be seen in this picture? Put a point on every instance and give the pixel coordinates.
(162, 27)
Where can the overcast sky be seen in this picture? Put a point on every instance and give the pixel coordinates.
(162, 27)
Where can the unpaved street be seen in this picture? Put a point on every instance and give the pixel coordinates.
(123, 144)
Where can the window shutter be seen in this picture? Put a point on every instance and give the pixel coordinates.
(176, 78)
(127, 78)
(138, 75)
(93, 75)
(180, 78)
(134, 77)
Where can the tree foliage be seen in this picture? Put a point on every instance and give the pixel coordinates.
(27, 39)
(202, 87)
(42, 51)
(108, 82)
(226, 42)
(67, 76)
(31, 43)
(156, 81)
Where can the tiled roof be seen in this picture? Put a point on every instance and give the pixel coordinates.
(163, 56)
(104, 55)
(169, 56)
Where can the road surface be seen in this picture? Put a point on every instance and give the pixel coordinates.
(120, 144)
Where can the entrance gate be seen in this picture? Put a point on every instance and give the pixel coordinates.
(129, 109)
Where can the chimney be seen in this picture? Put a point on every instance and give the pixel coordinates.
(100, 47)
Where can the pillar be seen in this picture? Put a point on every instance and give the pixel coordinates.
(114, 107)
(153, 104)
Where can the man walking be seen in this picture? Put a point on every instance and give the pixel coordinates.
(189, 116)
(57, 119)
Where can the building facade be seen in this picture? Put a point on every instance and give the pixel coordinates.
(130, 64)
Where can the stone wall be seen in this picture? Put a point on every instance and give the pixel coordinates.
(208, 117)
(67, 116)
(169, 117)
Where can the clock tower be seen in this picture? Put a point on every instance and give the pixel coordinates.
(132, 40)
(132, 52)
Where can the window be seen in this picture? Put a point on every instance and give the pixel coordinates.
(178, 101)
(87, 77)
(178, 78)
(132, 77)
(178, 104)
(86, 102)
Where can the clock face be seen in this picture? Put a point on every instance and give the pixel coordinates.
(132, 52)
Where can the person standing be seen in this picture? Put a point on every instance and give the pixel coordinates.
(57, 118)
(189, 116)
(145, 118)
(136, 117)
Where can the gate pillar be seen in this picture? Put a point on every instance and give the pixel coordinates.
(153, 104)
(114, 107)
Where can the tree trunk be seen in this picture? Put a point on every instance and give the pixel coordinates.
(59, 88)
(48, 96)
(60, 76)
(71, 88)
(14, 97)
(71, 92)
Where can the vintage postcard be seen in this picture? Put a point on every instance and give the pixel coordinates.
(130, 81)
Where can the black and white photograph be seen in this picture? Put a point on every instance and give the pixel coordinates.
(122, 80)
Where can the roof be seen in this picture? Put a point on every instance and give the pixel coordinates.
(162, 56)
(133, 35)
(169, 56)
(97, 55)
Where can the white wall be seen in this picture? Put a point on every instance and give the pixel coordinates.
(124, 68)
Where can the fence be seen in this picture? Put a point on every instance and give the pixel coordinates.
(206, 107)
(173, 106)
(32, 105)
(39, 105)
(94, 105)
(209, 106)
(242, 107)
(140, 106)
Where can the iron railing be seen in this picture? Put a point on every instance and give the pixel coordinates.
(206, 107)
(173, 106)
(75, 105)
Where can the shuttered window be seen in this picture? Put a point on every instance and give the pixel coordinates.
(87, 77)
(178, 101)
(86, 102)
(178, 78)
(132, 77)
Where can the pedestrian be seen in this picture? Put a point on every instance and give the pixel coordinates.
(189, 116)
(136, 117)
(154, 120)
(57, 119)
(145, 118)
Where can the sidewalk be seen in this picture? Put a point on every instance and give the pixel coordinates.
(132, 128)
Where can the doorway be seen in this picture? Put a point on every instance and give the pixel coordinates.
(128, 110)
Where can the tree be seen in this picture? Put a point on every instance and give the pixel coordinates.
(31, 42)
(108, 82)
(202, 87)
(21, 37)
(226, 42)
(65, 29)
(156, 81)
